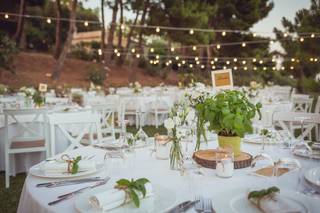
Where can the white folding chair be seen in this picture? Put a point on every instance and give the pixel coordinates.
(286, 119)
(87, 121)
(55, 100)
(158, 107)
(31, 135)
(130, 107)
(317, 111)
(301, 103)
(106, 113)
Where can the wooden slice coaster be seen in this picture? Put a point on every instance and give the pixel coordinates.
(207, 158)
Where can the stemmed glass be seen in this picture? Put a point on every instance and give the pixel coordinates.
(302, 145)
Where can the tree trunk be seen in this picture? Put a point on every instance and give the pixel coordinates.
(121, 23)
(103, 31)
(20, 24)
(111, 31)
(67, 44)
(143, 20)
(57, 45)
(208, 66)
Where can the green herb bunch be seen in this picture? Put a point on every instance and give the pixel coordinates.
(266, 133)
(75, 165)
(38, 98)
(132, 188)
(257, 195)
(229, 113)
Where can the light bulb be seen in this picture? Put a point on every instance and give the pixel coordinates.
(243, 44)
(172, 49)
(301, 39)
(312, 35)
(138, 55)
(227, 62)
(158, 29)
(211, 62)
(99, 52)
(177, 58)
(244, 62)
(223, 33)
(218, 46)
(115, 50)
(86, 24)
(6, 16)
(191, 32)
(196, 58)
(202, 66)
(133, 50)
(254, 60)
(48, 20)
(183, 62)
(157, 56)
(215, 59)
(190, 65)
(235, 59)
(179, 65)
(118, 54)
(194, 48)
(235, 68)
(151, 50)
(245, 68)
(213, 67)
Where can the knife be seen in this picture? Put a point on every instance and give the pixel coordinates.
(178, 208)
(71, 194)
(66, 182)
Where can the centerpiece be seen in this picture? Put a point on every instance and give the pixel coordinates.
(28, 93)
(229, 114)
(3, 89)
(136, 87)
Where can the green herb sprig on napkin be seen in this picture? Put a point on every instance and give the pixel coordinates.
(132, 188)
(258, 195)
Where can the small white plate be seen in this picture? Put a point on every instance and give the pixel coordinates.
(313, 176)
(162, 200)
(37, 170)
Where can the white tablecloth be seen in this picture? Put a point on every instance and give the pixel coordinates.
(142, 164)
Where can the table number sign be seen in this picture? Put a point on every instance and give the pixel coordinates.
(43, 87)
(222, 79)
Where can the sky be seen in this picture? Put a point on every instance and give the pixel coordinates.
(282, 8)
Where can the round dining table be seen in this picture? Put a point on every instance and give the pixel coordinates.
(182, 186)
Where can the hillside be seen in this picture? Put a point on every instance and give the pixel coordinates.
(35, 68)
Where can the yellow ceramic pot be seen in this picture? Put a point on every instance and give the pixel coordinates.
(230, 142)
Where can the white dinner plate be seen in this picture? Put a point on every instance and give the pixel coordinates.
(315, 154)
(257, 139)
(162, 200)
(235, 201)
(37, 170)
(313, 176)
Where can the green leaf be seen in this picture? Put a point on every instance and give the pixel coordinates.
(123, 182)
(134, 197)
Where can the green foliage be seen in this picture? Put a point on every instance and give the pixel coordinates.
(75, 165)
(132, 188)
(142, 63)
(7, 51)
(96, 76)
(257, 195)
(310, 85)
(85, 51)
(38, 98)
(3, 89)
(306, 20)
(229, 113)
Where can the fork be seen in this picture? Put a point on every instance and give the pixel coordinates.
(198, 207)
(208, 206)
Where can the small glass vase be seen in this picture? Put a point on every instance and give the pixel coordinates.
(176, 157)
(28, 102)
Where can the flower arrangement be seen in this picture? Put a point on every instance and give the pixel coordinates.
(77, 97)
(27, 91)
(136, 86)
(174, 124)
(38, 98)
(3, 89)
(197, 95)
(253, 90)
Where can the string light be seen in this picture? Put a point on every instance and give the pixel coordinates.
(170, 61)
(118, 54)
(115, 50)
(260, 62)
(6, 16)
(315, 60)
(48, 20)
(194, 48)
(157, 56)
(312, 35)
(227, 62)
(138, 55)
(183, 62)
(167, 64)
(151, 50)
(133, 50)
(235, 59)
(197, 62)
(282, 68)
(254, 68)
(196, 58)
(191, 32)
(245, 68)
(291, 67)
(151, 61)
(244, 62)
(122, 26)
(254, 60)
(213, 67)
(215, 59)
(211, 62)
(224, 67)
(235, 68)
(223, 33)
(293, 59)
(218, 46)
(177, 58)
(273, 60)
(254, 34)
(190, 65)
(273, 68)
(311, 59)
(157, 29)
(99, 52)
(172, 49)
(86, 23)
(243, 44)
(271, 41)
(202, 66)
(301, 39)
(264, 68)
(285, 35)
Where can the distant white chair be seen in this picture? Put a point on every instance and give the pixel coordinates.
(317, 111)
(87, 121)
(158, 107)
(286, 119)
(30, 137)
(302, 103)
(106, 113)
(57, 101)
(130, 107)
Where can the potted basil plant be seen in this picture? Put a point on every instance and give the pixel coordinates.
(230, 115)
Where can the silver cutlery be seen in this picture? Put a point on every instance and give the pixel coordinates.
(179, 207)
(71, 194)
(68, 182)
(198, 207)
(208, 208)
(189, 205)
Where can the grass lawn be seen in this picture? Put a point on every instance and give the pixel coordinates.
(9, 198)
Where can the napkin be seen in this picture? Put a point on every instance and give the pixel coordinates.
(61, 167)
(113, 198)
